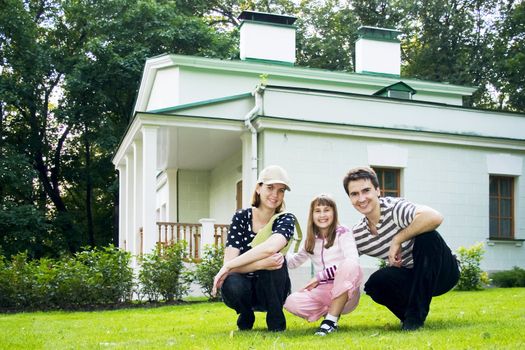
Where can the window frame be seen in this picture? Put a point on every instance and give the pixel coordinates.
(380, 171)
(498, 235)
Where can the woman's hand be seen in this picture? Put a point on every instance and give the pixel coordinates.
(219, 279)
(312, 284)
(273, 262)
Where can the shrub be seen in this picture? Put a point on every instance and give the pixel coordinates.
(206, 270)
(163, 274)
(94, 277)
(471, 277)
(509, 278)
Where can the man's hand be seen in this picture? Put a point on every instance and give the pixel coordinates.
(394, 253)
(312, 284)
(219, 279)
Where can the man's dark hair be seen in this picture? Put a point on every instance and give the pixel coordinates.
(360, 173)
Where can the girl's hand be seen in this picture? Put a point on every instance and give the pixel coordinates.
(219, 279)
(312, 284)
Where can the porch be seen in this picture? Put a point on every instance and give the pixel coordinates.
(197, 236)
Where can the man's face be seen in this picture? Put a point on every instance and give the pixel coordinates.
(363, 195)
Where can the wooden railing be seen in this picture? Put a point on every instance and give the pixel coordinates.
(171, 232)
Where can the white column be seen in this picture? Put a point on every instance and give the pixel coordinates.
(130, 205)
(248, 180)
(149, 180)
(207, 234)
(122, 205)
(137, 189)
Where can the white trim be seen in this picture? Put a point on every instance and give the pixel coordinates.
(390, 134)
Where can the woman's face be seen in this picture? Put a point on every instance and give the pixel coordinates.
(323, 216)
(272, 195)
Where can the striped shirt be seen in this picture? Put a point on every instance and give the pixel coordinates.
(396, 214)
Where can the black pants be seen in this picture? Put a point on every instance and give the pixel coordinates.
(408, 292)
(265, 290)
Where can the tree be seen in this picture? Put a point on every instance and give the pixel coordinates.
(70, 72)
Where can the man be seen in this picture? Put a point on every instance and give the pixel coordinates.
(421, 265)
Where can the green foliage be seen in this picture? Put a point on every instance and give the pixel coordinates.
(509, 278)
(94, 277)
(163, 274)
(206, 270)
(471, 277)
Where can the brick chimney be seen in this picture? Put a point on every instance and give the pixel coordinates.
(378, 50)
(267, 37)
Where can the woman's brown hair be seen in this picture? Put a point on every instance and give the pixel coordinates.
(312, 231)
(256, 200)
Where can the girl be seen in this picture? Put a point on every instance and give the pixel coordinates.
(256, 278)
(335, 288)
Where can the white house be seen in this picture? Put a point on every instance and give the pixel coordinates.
(203, 128)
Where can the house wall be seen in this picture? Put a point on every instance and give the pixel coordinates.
(453, 180)
(223, 180)
(194, 194)
(165, 90)
(220, 85)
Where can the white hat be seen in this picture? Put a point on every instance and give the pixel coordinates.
(274, 174)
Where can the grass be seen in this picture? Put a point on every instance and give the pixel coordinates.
(489, 319)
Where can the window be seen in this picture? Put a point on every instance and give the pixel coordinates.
(501, 207)
(389, 181)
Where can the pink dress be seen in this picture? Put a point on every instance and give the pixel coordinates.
(337, 270)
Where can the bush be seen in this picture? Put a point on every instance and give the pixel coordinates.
(509, 278)
(163, 274)
(206, 270)
(471, 277)
(95, 277)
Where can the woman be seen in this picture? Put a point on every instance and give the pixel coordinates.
(335, 288)
(256, 278)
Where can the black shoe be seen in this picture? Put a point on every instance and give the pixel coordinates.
(411, 325)
(326, 327)
(245, 321)
(276, 321)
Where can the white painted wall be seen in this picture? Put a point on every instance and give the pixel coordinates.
(166, 89)
(377, 56)
(453, 180)
(223, 180)
(267, 42)
(193, 195)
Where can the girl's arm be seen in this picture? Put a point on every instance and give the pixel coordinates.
(297, 259)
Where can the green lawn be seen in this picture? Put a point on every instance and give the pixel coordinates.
(490, 319)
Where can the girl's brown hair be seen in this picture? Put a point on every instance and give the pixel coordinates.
(312, 232)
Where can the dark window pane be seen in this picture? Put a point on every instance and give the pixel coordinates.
(505, 228)
(390, 180)
(505, 208)
(493, 227)
(493, 207)
(390, 194)
(505, 187)
(493, 188)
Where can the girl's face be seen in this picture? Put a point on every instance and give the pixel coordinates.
(323, 216)
(272, 195)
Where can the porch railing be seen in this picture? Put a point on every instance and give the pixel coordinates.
(172, 232)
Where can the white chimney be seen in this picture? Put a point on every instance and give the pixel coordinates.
(378, 50)
(267, 37)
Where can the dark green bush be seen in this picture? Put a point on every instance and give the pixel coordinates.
(206, 270)
(471, 277)
(163, 274)
(509, 278)
(95, 277)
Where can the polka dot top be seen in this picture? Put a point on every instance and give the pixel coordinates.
(240, 233)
